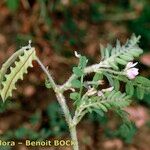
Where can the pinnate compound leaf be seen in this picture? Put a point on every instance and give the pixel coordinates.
(17, 72)
(121, 54)
(118, 99)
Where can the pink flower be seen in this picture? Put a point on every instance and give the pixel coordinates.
(131, 71)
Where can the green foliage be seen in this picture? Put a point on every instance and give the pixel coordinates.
(126, 131)
(95, 117)
(100, 101)
(118, 100)
(17, 72)
(56, 126)
(129, 88)
(88, 96)
(56, 122)
(35, 118)
(101, 104)
(44, 13)
(26, 133)
(140, 25)
(120, 55)
(78, 71)
(78, 81)
(74, 96)
(140, 85)
(83, 62)
(73, 19)
(5, 148)
(122, 114)
(146, 99)
(12, 4)
(130, 50)
(95, 12)
(143, 81)
(143, 86)
(48, 84)
(4, 106)
(97, 77)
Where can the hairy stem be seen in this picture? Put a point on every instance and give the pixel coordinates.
(87, 70)
(62, 102)
(69, 120)
(53, 84)
(110, 71)
(74, 138)
(64, 107)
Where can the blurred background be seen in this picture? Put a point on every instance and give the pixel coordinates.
(58, 28)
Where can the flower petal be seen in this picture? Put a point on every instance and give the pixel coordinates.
(130, 65)
(76, 54)
(135, 71)
(134, 64)
(132, 73)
